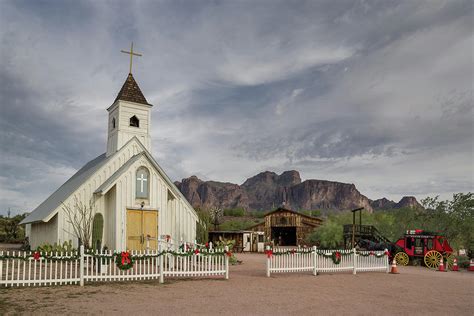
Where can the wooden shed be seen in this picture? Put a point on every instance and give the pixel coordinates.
(285, 227)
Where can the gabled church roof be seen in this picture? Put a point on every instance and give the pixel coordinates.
(45, 209)
(131, 92)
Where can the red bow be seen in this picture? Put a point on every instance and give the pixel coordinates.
(207, 245)
(196, 251)
(292, 251)
(269, 253)
(371, 253)
(228, 253)
(338, 255)
(125, 258)
(36, 255)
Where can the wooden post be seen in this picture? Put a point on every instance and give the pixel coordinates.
(226, 263)
(315, 271)
(354, 271)
(353, 228)
(81, 266)
(160, 262)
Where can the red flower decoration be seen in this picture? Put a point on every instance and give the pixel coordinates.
(36, 255)
(207, 245)
(196, 251)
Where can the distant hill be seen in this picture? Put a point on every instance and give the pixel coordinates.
(268, 190)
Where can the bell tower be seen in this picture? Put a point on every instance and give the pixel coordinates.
(129, 115)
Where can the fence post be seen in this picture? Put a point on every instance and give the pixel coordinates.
(161, 271)
(268, 261)
(81, 265)
(226, 262)
(387, 263)
(315, 271)
(354, 271)
(210, 245)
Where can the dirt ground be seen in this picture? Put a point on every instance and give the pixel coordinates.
(416, 290)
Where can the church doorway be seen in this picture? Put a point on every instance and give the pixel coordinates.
(284, 236)
(142, 229)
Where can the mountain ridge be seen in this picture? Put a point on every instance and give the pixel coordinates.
(268, 190)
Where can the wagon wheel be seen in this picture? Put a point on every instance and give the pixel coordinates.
(432, 259)
(449, 261)
(401, 258)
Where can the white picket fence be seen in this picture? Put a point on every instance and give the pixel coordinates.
(319, 261)
(22, 269)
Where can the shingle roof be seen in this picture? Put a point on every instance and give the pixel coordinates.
(131, 92)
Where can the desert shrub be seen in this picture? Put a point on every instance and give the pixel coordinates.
(236, 225)
(236, 212)
(65, 247)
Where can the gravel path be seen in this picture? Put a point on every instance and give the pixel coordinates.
(415, 290)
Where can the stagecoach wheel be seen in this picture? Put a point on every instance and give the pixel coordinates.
(401, 259)
(432, 259)
(449, 260)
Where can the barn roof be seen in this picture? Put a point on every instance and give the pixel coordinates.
(283, 209)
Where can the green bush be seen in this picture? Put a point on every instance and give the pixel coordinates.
(236, 225)
(65, 247)
(463, 262)
(236, 212)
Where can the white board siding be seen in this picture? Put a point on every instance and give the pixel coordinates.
(41, 233)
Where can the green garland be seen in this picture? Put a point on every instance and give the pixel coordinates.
(39, 256)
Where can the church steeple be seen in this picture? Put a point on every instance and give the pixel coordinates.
(129, 115)
(131, 92)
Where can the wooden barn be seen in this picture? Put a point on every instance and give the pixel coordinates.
(285, 227)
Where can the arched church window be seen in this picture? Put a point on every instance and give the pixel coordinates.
(113, 123)
(134, 121)
(142, 183)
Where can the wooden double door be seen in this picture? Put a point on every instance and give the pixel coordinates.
(142, 229)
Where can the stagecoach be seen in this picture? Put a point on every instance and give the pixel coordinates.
(427, 246)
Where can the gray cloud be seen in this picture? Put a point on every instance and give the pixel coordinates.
(366, 92)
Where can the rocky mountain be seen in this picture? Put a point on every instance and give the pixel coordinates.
(268, 190)
(385, 204)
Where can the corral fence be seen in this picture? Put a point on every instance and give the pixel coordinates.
(319, 261)
(20, 268)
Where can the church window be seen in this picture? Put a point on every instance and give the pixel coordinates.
(113, 123)
(134, 121)
(142, 183)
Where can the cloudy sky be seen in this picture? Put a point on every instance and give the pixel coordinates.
(379, 94)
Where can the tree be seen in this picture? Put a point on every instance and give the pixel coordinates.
(81, 216)
(202, 227)
(329, 235)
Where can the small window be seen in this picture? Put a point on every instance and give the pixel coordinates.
(134, 121)
(113, 123)
(429, 244)
(409, 243)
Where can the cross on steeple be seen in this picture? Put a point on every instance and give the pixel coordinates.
(131, 53)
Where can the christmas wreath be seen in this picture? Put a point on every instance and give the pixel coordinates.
(336, 257)
(124, 260)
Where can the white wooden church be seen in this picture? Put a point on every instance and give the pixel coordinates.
(137, 201)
